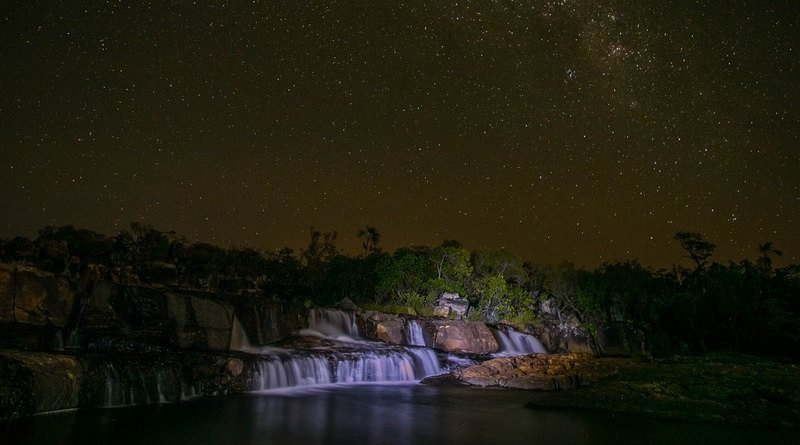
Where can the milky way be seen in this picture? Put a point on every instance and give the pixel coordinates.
(584, 130)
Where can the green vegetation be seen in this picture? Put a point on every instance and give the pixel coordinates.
(744, 306)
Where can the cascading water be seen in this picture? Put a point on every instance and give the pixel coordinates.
(139, 383)
(293, 371)
(239, 340)
(353, 361)
(414, 334)
(358, 366)
(331, 323)
(516, 343)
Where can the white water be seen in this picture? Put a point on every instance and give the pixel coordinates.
(292, 372)
(516, 343)
(239, 340)
(331, 323)
(414, 335)
(396, 365)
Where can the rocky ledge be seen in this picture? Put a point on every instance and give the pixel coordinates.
(717, 388)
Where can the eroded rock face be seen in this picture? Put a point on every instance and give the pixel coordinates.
(29, 295)
(200, 323)
(37, 382)
(267, 321)
(564, 336)
(471, 337)
(6, 293)
(379, 326)
(121, 317)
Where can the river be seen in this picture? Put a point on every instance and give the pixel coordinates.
(364, 414)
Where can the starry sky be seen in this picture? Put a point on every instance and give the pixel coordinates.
(569, 129)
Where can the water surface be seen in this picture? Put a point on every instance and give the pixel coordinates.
(365, 414)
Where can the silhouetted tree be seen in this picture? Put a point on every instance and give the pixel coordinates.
(371, 239)
(697, 249)
(764, 260)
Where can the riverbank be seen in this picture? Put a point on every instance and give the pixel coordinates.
(715, 388)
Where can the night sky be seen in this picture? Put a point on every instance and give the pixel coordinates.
(570, 129)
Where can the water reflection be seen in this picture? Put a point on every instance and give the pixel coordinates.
(363, 414)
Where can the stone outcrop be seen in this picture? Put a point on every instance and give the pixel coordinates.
(31, 296)
(537, 371)
(450, 305)
(35, 382)
(388, 328)
(463, 336)
(200, 323)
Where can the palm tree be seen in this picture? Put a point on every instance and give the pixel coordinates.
(371, 239)
(764, 260)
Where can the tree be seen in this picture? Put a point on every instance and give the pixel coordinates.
(765, 261)
(697, 249)
(371, 239)
(453, 270)
(321, 247)
(405, 272)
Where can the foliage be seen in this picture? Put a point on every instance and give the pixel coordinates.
(746, 306)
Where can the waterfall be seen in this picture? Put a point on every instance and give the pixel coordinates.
(117, 391)
(137, 383)
(239, 340)
(293, 371)
(515, 343)
(332, 323)
(414, 335)
(73, 340)
(387, 365)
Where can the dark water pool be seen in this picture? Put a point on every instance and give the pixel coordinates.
(365, 414)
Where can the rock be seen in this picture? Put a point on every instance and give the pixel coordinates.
(29, 295)
(131, 318)
(441, 311)
(234, 367)
(541, 372)
(348, 305)
(457, 306)
(200, 323)
(565, 335)
(380, 326)
(463, 336)
(49, 382)
(6, 293)
(266, 321)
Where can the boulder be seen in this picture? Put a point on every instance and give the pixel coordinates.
(541, 372)
(463, 336)
(457, 306)
(441, 311)
(388, 328)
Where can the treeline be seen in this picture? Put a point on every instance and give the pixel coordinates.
(747, 306)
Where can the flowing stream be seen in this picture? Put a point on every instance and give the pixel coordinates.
(414, 334)
(515, 343)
